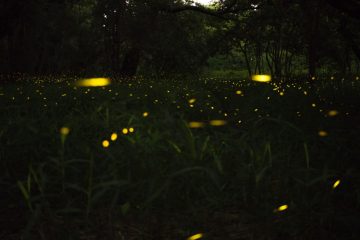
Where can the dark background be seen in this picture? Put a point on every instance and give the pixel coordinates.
(162, 37)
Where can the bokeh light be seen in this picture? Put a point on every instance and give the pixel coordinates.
(261, 78)
(114, 136)
(93, 82)
(105, 143)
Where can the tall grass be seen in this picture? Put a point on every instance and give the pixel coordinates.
(179, 179)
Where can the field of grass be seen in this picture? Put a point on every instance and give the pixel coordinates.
(172, 158)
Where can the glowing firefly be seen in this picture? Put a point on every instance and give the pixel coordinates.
(196, 124)
(64, 131)
(336, 184)
(322, 133)
(333, 113)
(195, 237)
(113, 137)
(93, 82)
(217, 123)
(261, 78)
(281, 208)
(105, 143)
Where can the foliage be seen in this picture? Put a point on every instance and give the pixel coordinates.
(168, 37)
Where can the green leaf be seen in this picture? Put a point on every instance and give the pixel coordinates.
(259, 176)
(204, 147)
(23, 190)
(176, 147)
(218, 163)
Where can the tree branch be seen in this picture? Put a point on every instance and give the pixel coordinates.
(224, 12)
(200, 9)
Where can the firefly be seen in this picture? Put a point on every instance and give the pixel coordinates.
(195, 237)
(113, 137)
(261, 78)
(336, 184)
(322, 133)
(217, 123)
(191, 101)
(125, 131)
(105, 143)
(196, 124)
(64, 131)
(93, 82)
(333, 113)
(281, 208)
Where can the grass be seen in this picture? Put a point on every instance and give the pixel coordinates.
(166, 180)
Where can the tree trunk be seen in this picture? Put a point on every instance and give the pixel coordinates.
(116, 36)
(248, 65)
(350, 37)
(267, 57)
(312, 13)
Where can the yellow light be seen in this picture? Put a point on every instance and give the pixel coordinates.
(281, 93)
(322, 133)
(238, 92)
(333, 113)
(105, 143)
(125, 131)
(113, 137)
(145, 114)
(217, 123)
(93, 82)
(191, 101)
(131, 130)
(64, 131)
(261, 78)
(196, 236)
(313, 105)
(196, 124)
(336, 184)
(282, 208)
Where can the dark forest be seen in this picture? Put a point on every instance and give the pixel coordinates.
(180, 119)
(162, 37)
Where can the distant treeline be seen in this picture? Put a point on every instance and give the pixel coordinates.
(167, 37)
